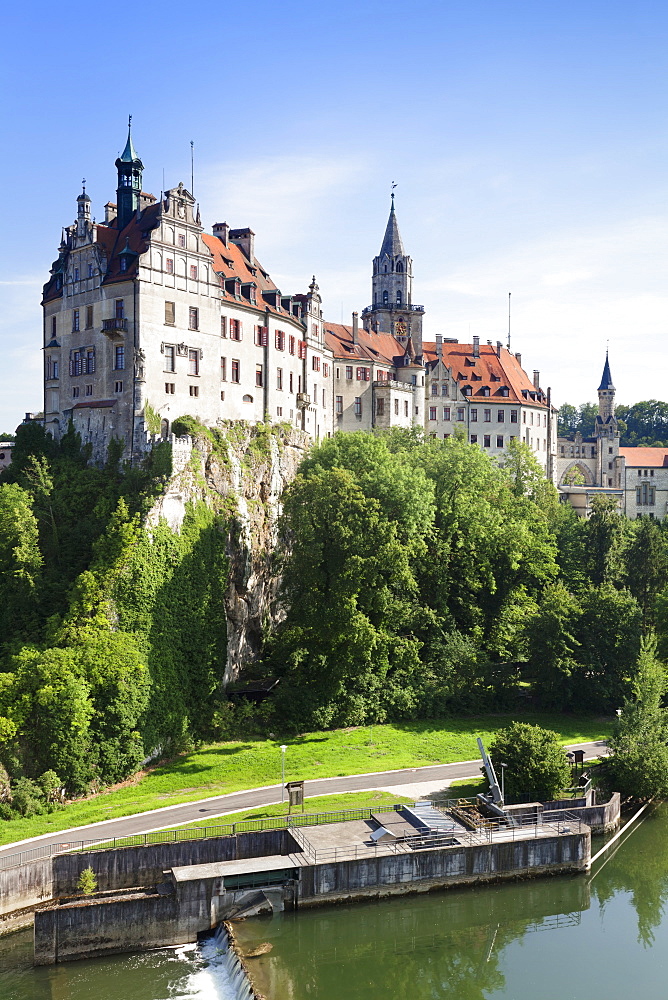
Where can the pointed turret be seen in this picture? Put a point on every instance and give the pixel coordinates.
(392, 245)
(606, 378)
(130, 169)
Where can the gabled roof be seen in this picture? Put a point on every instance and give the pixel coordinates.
(231, 262)
(379, 347)
(652, 457)
(392, 245)
(488, 371)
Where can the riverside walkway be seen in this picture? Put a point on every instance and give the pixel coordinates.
(436, 776)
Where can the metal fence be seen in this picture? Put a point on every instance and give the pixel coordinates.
(193, 833)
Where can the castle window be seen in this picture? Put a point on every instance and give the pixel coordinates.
(193, 318)
(434, 388)
(279, 379)
(386, 296)
(474, 415)
(235, 371)
(119, 357)
(76, 273)
(513, 416)
(75, 392)
(291, 383)
(400, 267)
(89, 317)
(258, 376)
(90, 270)
(446, 412)
(398, 298)
(170, 313)
(445, 389)
(120, 309)
(235, 329)
(280, 340)
(315, 363)
(325, 370)
(170, 358)
(380, 407)
(90, 361)
(89, 390)
(396, 407)
(75, 320)
(194, 390)
(339, 405)
(499, 440)
(53, 327)
(223, 369)
(460, 413)
(358, 406)
(193, 272)
(193, 362)
(182, 240)
(485, 441)
(432, 413)
(169, 265)
(487, 416)
(118, 387)
(474, 439)
(500, 416)
(349, 372)
(405, 407)
(124, 263)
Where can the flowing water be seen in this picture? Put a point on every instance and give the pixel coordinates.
(600, 937)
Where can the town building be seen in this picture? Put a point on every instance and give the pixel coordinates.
(148, 318)
(590, 466)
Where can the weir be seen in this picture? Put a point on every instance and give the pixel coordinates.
(149, 898)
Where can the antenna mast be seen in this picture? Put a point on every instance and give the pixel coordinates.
(192, 167)
(508, 321)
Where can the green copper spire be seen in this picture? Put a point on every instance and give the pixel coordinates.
(129, 154)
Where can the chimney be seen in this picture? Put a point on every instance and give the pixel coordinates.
(518, 356)
(439, 345)
(355, 328)
(476, 347)
(245, 239)
(536, 379)
(222, 231)
(499, 345)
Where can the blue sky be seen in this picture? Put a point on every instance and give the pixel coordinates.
(528, 142)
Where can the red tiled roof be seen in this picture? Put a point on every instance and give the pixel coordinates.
(379, 347)
(654, 457)
(95, 404)
(233, 263)
(506, 368)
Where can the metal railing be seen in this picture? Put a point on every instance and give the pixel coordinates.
(192, 833)
(116, 323)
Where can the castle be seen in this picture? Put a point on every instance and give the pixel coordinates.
(588, 467)
(147, 318)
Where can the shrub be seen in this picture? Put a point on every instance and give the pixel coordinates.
(535, 761)
(87, 883)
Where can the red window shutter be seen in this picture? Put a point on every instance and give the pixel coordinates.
(359, 374)
(265, 336)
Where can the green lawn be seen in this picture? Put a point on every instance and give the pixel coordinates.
(229, 767)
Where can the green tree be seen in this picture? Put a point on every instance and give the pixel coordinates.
(608, 633)
(536, 764)
(20, 566)
(553, 648)
(87, 881)
(645, 564)
(604, 538)
(638, 766)
(347, 647)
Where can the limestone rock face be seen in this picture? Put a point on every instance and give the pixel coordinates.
(243, 475)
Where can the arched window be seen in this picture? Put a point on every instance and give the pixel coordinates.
(400, 267)
(386, 297)
(398, 298)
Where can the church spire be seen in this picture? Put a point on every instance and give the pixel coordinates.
(392, 245)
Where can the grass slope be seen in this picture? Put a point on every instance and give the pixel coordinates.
(230, 767)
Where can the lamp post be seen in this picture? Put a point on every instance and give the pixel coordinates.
(283, 749)
(503, 782)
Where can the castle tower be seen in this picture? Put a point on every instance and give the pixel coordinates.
(130, 169)
(392, 310)
(606, 430)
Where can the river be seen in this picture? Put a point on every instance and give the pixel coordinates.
(599, 937)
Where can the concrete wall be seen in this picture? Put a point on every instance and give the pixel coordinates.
(128, 867)
(25, 885)
(135, 922)
(400, 873)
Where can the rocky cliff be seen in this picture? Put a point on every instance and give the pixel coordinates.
(241, 471)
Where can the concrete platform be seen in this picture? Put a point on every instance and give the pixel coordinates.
(218, 869)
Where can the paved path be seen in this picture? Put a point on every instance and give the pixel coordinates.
(439, 775)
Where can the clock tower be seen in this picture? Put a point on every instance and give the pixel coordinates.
(392, 310)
